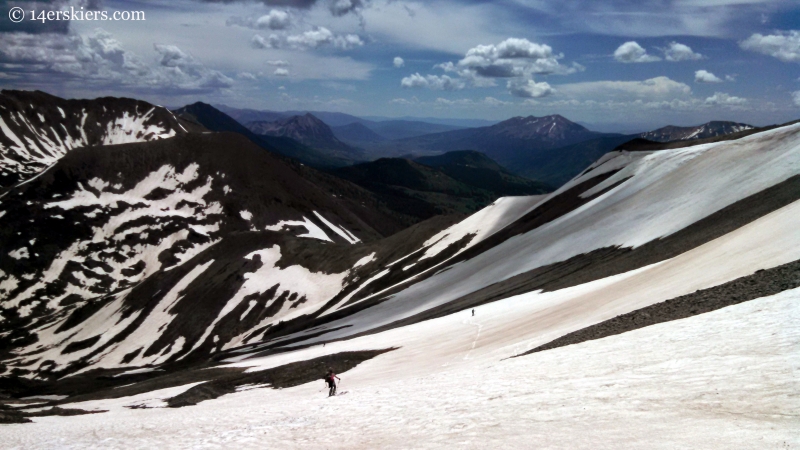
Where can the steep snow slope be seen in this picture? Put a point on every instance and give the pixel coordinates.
(37, 129)
(634, 199)
(273, 294)
(661, 387)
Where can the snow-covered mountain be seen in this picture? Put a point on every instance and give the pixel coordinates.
(655, 286)
(94, 244)
(706, 130)
(37, 129)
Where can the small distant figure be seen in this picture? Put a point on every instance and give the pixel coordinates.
(473, 313)
(330, 379)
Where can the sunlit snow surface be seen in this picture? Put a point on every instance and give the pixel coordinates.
(661, 193)
(725, 379)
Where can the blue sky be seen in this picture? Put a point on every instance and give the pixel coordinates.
(620, 64)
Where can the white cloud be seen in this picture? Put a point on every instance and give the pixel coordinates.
(467, 102)
(730, 78)
(529, 89)
(277, 63)
(491, 101)
(512, 57)
(346, 42)
(679, 52)
(100, 58)
(433, 82)
(398, 62)
(311, 39)
(784, 45)
(246, 76)
(723, 99)
(704, 76)
(632, 52)
(275, 20)
(405, 102)
(281, 72)
(515, 59)
(342, 7)
(258, 41)
(322, 36)
(653, 89)
(796, 98)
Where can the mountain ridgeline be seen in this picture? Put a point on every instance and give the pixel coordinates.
(198, 261)
(456, 182)
(38, 128)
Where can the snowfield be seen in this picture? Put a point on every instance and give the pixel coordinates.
(725, 379)
(172, 271)
(660, 194)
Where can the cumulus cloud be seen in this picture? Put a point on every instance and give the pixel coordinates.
(341, 7)
(723, 99)
(679, 52)
(98, 57)
(704, 76)
(511, 58)
(796, 98)
(632, 52)
(273, 41)
(398, 62)
(322, 36)
(311, 39)
(433, 82)
(491, 101)
(246, 76)
(783, 45)
(514, 59)
(281, 72)
(529, 89)
(277, 63)
(274, 20)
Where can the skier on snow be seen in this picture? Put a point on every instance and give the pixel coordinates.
(330, 379)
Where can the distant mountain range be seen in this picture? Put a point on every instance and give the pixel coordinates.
(308, 130)
(388, 128)
(551, 149)
(213, 119)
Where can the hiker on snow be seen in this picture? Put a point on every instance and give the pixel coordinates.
(331, 378)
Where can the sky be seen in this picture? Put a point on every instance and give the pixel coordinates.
(616, 65)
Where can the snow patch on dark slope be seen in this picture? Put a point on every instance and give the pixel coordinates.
(37, 129)
(706, 130)
(201, 265)
(145, 253)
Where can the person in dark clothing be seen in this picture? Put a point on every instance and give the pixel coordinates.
(330, 379)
